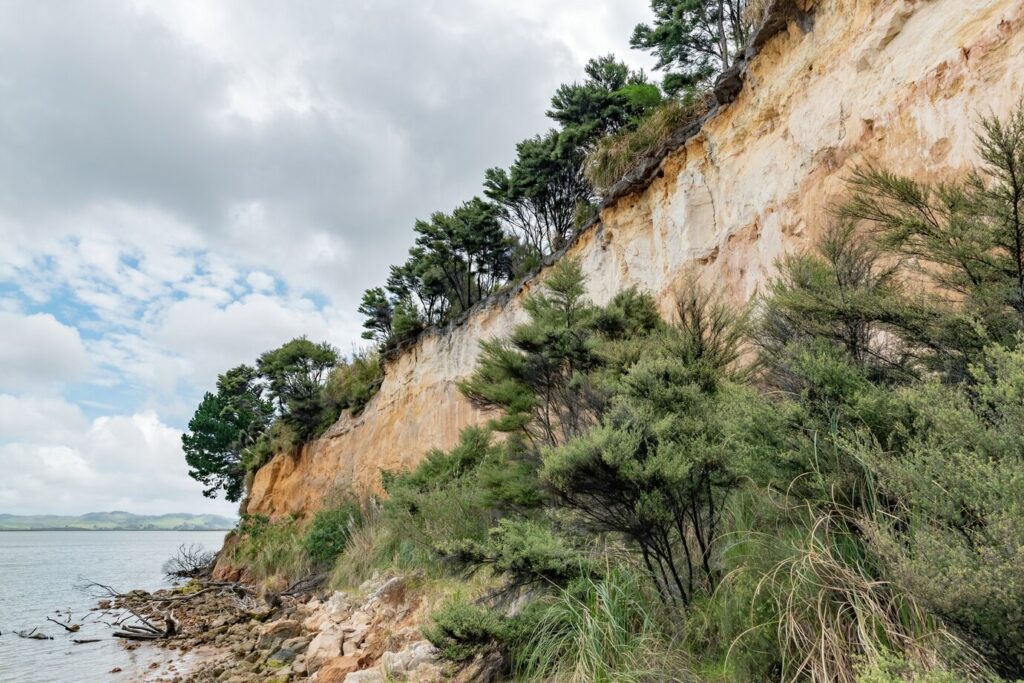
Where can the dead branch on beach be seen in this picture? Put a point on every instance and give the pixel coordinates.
(70, 628)
(34, 634)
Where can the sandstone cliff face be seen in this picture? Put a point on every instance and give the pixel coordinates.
(897, 83)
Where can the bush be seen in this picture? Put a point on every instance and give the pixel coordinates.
(329, 532)
(953, 536)
(461, 630)
(271, 548)
(352, 384)
(617, 154)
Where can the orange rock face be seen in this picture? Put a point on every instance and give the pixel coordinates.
(896, 83)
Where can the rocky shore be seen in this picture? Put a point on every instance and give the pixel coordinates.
(367, 636)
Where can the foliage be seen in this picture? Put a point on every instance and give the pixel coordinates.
(541, 193)
(542, 378)
(352, 383)
(693, 39)
(328, 533)
(224, 425)
(967, 239)
(599, 629)
(295, 374)
(271, 548)
(954, 536)
(616, 154)
(461, 630)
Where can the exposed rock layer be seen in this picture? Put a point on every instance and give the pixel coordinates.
(896, 83)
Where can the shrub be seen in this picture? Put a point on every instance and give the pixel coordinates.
(617, 154)
(461, 630)
(329, 532)
(271, 548)
(352, 384)
(953, 535)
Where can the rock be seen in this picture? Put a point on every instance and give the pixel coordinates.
(338, 607)
(298, 643)
(336, 670)
(412, 657)
(281, 658)
(367, 676)
(276, 632)
(392, 592)
(326, 645)
(316, 621)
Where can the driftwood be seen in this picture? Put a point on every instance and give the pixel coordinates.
(69, 627)
(34, 634)
(146, 630)
(83, 641)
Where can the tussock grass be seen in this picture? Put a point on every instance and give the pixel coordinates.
(608, 629)
(618, 154)
(272, 549)
(834, 618)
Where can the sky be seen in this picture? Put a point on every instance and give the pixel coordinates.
(186, 184)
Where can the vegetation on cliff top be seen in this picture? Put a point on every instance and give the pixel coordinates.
(536, 207)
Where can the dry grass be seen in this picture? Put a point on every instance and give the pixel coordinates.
(835, 619)
(618, 154)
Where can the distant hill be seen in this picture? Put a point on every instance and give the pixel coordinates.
(106, 521)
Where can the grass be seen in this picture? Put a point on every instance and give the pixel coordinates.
(602, 629)
(616, 155)
(272, 549)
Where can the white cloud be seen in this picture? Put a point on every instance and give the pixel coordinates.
(131, 462)
(39, 352)
(186, 184)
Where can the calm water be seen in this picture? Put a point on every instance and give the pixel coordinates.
(38, 574)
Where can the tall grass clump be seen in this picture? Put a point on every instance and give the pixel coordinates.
(271, 549)
(617, 154)
(612, 628)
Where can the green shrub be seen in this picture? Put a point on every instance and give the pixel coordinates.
(352, 384)
(953, 535)
(271, 548)
(461, 630)
(617, 154)
(608, 629)
(329, 532)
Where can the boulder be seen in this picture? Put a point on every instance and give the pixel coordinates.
(410, 658)
(326, 645)
(336, 670)
(276, 632)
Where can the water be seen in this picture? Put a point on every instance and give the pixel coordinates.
(38, 574)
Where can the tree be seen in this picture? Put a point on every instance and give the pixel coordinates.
(467, 249)
(671, 447)
(541, 193)
(295, 374)
(223, 426)
(378, 310)
(693, 39)
(544, 194)
(966, 239)
(612, 97)
(544, 378)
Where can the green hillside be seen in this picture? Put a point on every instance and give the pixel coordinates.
(107, 521)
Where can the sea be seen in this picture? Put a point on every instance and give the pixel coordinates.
(42, 574)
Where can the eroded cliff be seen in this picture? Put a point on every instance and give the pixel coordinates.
(895, 83)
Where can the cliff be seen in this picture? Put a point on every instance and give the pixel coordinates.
(895, 83)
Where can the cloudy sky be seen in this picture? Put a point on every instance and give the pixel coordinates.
(186, 184)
